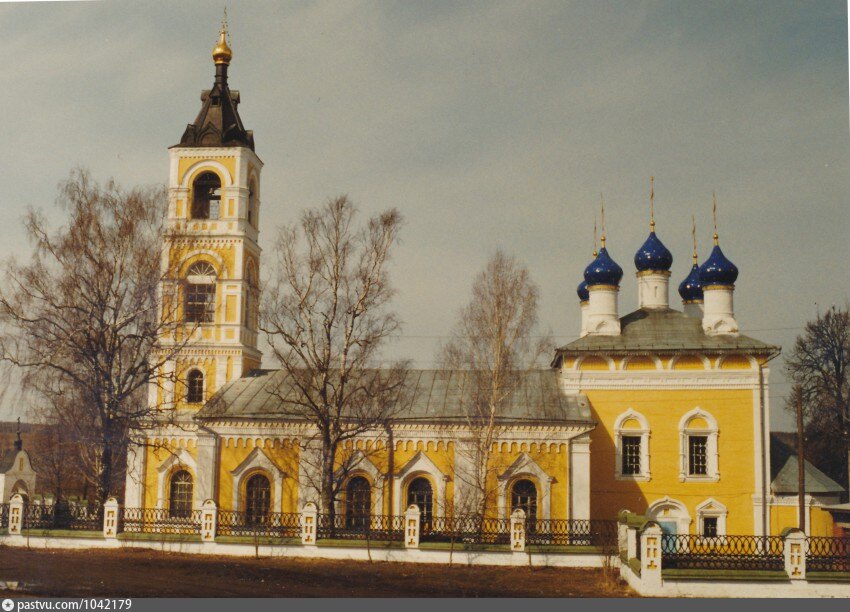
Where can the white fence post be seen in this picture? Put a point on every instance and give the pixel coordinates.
(309, 520)
(650, 555)
(794, 543)
(209, 521)
(16, 514)
(411, 526)
(631, 542)
(518, 530)
(110, 519)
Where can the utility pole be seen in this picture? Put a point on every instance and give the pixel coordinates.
(801, 459)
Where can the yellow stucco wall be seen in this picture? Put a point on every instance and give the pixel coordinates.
(663, 409)
(782, 517)
(160, 452)
(283, 454)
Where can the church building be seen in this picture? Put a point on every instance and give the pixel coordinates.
(661, 411)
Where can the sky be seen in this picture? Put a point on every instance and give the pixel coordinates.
(492, 124)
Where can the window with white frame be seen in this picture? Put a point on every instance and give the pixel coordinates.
(632, 461)
(711, 518)
(698, 446)
(199, 294)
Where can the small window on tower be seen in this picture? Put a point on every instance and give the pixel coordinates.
(195, 387)
(206, 197)
(252, 203)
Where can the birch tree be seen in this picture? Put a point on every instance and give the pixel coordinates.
(496, 340)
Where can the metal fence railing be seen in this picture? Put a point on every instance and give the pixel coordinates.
(730, 552)
(4, 516)
(571, 532)
(378, 527)
(160, 520)
(273, 524)
(828, 554)
(466, 529)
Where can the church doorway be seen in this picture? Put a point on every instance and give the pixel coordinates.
(258, 494)
(524, 496)
(420, 492)
(358, 503)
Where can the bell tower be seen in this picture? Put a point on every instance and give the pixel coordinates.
(211, 257)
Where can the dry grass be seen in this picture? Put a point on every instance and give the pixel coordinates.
(146, 573)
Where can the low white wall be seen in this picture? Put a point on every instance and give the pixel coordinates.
(736, 588)
(317, 552)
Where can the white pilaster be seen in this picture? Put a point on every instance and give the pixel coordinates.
(579, 472)
(134, 483)
(207, 467)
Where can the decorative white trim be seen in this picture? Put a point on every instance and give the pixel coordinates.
(679, 514)
(706, 362)
(207, 163)
(181, 459)
(420, 464)
(583, 380)
(712, 470)
(526, 467)
(258, 461)
(612, 365)
(712, 508)
(624, 363)
(643, 432)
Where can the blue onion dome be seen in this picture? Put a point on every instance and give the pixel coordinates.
(691, 288)
(653, 255)
(583, 293)
(603, 270)
(717, 270)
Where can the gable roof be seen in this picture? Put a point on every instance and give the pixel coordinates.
(435, 395)
(784, 466)
(664, 330)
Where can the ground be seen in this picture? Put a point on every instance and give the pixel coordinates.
(146, 573)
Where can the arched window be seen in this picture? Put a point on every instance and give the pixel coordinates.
(195, 387)
(258, 494)
(180, 495)
(206, 198)
(524, 495)
(358, 503)
(632, 461)
(199, 302)
(698, 458)
(419, 492)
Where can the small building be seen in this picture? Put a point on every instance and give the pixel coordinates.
(821, 491)
(17, 476)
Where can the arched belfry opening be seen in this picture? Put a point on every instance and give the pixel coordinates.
(206, 196)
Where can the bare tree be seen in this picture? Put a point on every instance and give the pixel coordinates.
(819, 365)
(325, 313)
(496, 340)
(82, 317)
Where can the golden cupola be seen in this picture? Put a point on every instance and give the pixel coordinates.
(222, 53)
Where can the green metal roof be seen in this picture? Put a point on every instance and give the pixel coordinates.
(664, 330)
(435, 395)
(784, 466)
